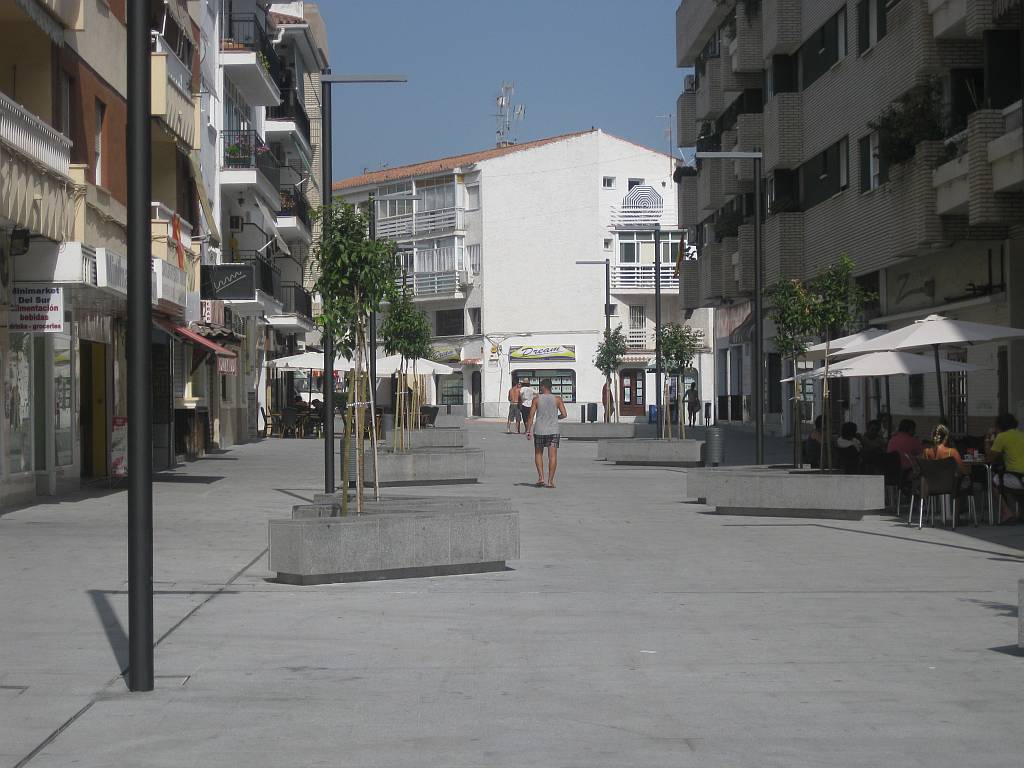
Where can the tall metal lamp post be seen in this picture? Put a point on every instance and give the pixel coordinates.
(758, 294)
(326, 139)
(607, 319)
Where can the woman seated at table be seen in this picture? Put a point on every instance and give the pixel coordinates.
(1007, 448)
(940, 449)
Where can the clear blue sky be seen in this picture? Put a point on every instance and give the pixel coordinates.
(576, 64)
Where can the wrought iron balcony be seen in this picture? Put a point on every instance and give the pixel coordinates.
(291, 109)
(247, 32)
(296, 300)
(267, 277)
(246, 150)
(294, 203)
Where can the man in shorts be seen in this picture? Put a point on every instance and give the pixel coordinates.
(515, 411)
(526, 395)
(542, 424)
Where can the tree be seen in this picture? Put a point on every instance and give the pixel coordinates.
(610, 352)
(357, 274)
(680, 345)
(406, 332)
(790, 313)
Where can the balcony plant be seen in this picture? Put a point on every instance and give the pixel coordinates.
(680, 345)
(914, 117)
(357, 275)
(611, 351)
(406, 332)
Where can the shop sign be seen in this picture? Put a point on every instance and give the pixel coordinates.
(235, 282)
(228, 365)
(447, 353)
(556, 353)
(212, 311)
(119, 447)
(37, 310)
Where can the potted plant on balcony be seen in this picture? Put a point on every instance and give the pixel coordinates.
(914, 117)
(680, 344)
(357, 275)
(406, 332)
(610, 352)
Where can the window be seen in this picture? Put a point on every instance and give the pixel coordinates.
(387, 209)
(101, 118)
(65, 103)
(475, 323)
(824, 175)
(823, 49)
(627, 252)
(874, 171)
(452, 389)
(781, 76)
(450, 322)
(473, 197)
(871, 23)
(608, 182)
(563, 382)
(436, 194)
(635, 183)
(607, 243)
(915, 396)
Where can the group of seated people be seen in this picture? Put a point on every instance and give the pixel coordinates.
(855, 453)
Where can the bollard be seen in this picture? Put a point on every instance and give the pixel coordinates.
(714, 447)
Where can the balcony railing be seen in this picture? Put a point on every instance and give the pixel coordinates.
(291, 109)
(267, 276)
(294, 203)
(246, 32)
(433, 283)
(641, 277)
(34, 138)
(169, 233)
(245, 150)
(640, 338)
(177, 72)
(296, 300)
(421, 223)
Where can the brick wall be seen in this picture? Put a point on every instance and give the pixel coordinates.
(780, 25)
(783, 132)
(748, 56)
(783, 247)
(985, 205)
(686, 111)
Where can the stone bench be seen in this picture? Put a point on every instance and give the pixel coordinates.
(784, 492)
(329, 505)
(394, 544)
(421, 466)
(598, 430)
(1020, 614)
(431, 438)
(651, 453)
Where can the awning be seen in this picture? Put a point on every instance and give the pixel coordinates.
(195, 338)
(204, 199)
(178, 11)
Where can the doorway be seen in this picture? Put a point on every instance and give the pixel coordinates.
(94, 448)
(631, 392)
(475, 391)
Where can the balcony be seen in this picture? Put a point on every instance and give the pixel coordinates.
(709, 273)
(743, 260)
(689, 285)
(170, 286)
(249, 285)
(68, 12)
(783, 247)
(696, 21)
(296, 314)
(688, 218)
(640, 339)
(410, 225)
(728, 250)
(171, 93)
(686, 110)
(710, 97)
(169, 231)
(952, 187)
(639, 278)
(961, 19)
(783, 132)
(34, 187)
(1006, 153)
(781, 27)
(709, 188)
(293, 222)
(440, 285)
(249, 162)
(289, 117)
(249, 59)
(68, 264)
(745, 46)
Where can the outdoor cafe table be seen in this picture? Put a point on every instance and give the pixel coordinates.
(980, 462)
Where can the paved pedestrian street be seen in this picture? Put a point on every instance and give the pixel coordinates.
(634, 631)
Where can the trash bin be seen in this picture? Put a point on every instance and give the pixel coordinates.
(652, 414)
(707, 414)
(591, 412)
(714, 447)
(583, 414)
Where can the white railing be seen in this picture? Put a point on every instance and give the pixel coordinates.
(641, 276)
(473, 256)
(177, 73)
(433, 283)
(162, 213)
(639, 339)
(31, 136)
(421, 223)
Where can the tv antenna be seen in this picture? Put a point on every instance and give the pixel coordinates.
(508, 115)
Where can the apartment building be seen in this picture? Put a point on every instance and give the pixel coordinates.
(930, 211)
(489, 243)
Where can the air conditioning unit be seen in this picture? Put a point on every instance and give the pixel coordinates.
(465, 277)
(235, 223)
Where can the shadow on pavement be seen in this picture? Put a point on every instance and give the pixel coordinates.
(165, 477)
(116, 635)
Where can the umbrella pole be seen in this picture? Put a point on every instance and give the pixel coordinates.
(888, 409)
(938, 382)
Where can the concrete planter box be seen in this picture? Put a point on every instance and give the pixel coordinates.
(778, 492)
(449, 421)
(432, 438)
(425, 466)
(392, 545)
(329, 505)
(651, 453)
(598, 430)
(1020, 614)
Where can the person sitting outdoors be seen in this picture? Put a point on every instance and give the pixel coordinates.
(904, 443)
(1007, 448)
(848, 449)
(848, 437)
(872, 448)
(940, 449)
(812, 445)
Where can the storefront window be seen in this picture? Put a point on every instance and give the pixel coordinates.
(452, 389)
(63, 407)
(563, 383)
(18, 403)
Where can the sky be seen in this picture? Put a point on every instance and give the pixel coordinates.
(576, 64)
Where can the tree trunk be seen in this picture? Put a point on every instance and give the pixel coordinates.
(346, 454)
(373, 429)
(357, 403)
(797, 421)
(826, 421)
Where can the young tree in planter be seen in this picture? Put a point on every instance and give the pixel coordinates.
(357, 274)
(790, 313)
(835, 306)
(406, 332)
(680, 344)
(610, 352)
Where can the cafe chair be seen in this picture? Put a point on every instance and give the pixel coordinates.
(1014, 497)
(940, 481)
(289, 420)
(271, 423)
(897, 481)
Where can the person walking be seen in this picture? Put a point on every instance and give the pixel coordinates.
(526, 395)
(546, 410)
(515, 410)
(692, 403)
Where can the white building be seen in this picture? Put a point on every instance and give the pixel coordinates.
(490, 242)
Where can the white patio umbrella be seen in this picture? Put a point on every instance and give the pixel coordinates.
(308, 361)
(935, 331)
(817, 352)
(392, 364)
(884, 364)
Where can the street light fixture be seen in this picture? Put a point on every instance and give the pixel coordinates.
(758, 294)
(326, 81)
(607, 320)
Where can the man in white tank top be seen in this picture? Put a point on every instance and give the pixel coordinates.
(542, 424)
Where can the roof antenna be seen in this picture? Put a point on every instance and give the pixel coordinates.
(508, 115)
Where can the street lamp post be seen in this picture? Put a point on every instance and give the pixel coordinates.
(657, 326)
(326, 81)
(607, 322)
(758, 294)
